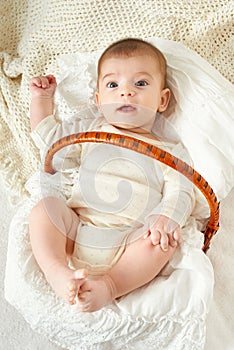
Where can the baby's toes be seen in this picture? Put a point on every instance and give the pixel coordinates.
(71, 301)
(72, 291)
(80, 274)
(84, 301)
(84, 297)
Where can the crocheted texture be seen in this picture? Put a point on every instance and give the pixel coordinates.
(34, 34)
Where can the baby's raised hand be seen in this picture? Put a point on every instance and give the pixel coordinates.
(163, 230)
(43, 86)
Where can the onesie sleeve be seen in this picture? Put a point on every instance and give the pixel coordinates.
(51, 129)
(66, 162)
(178, 197)
(44, 132)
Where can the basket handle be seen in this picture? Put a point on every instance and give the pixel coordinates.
(153, 152)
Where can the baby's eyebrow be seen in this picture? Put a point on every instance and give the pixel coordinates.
(108, 75)
(144, 73)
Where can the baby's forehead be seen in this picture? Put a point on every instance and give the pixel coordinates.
(141, 62)
(138, 55)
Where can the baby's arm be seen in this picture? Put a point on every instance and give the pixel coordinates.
(163, 231)
(42, 89)
(164, 221)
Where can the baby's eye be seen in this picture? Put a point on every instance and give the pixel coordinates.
(112, 85)
(141, 83)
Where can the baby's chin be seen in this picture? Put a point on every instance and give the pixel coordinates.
(123, 125)
(130, 127)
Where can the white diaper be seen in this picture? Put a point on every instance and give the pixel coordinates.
(98, 249)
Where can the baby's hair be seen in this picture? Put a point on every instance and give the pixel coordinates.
(130, 47)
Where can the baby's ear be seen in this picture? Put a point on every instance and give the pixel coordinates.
(165, 98)
(97, 98)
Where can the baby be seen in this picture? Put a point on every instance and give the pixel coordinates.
(88, 252)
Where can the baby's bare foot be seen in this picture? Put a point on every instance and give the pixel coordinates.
(95, 294)
(65, 281)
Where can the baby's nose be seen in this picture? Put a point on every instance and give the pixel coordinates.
(127, 91)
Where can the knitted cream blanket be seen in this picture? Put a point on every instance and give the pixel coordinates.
(34, 33)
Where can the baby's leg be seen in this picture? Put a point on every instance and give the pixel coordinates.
(51, 221)
(139, 264)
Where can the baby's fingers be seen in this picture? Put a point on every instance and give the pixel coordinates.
(51, 78)
(176, 234)
(40, 82)
(45, 82)
(155, 237)
(164, 242)
(36, 81)
(171, 240)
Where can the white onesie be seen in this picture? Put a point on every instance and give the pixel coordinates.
(113, 190)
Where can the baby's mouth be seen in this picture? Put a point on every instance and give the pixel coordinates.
(126, 109)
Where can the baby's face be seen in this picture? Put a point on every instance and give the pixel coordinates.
(130, 91)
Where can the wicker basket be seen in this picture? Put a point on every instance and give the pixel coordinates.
(153, 152)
